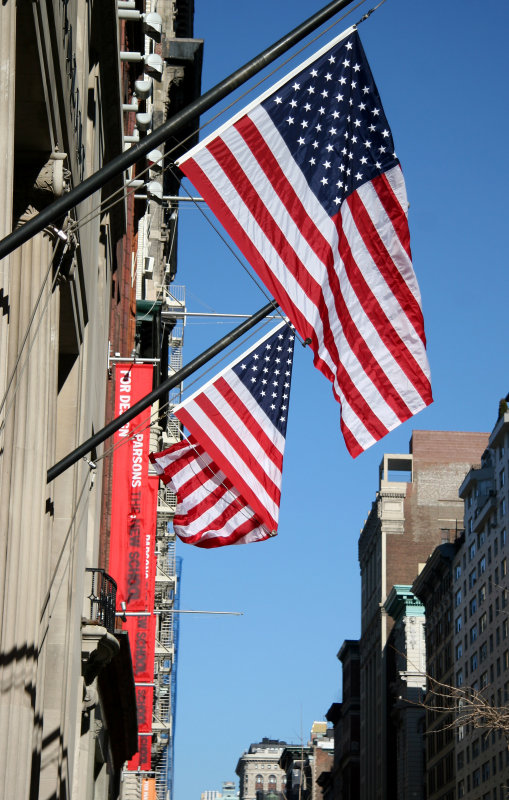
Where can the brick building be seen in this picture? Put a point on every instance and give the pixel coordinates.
(416, 497)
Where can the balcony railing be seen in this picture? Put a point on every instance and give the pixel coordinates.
(101, 598)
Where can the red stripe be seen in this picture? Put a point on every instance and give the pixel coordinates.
(266, 222)
(393, 210)
(379, 319)
(188, 420)
(381, 256)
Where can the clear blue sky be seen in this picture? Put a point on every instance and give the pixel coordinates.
(441, 68)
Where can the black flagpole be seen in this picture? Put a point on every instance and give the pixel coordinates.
(161, 390)
(124, 160)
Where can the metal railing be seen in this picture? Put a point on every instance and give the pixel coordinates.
(101, 598)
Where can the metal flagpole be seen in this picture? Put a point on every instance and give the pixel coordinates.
(161, 390)
(124, 160)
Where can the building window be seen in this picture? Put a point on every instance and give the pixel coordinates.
(471, 552)
(259, 783)
(481, 538)
(483, 680)
(457, 572)
(502, 508)
(459, 678)
(483, 652)
(503, 567)
(459, 650)
(458, 598)
(502, 537)
(473, 605)
(482, 594)
(483, 621)
(472, 578)
(502, 478)
(473, 662)
(457, 624)
(272, 783)
(506, 659)
(482, 565)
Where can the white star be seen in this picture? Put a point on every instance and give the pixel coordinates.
(326, 164)
(325, 93)
(286, 385)
(311, 89)
(359, 176)
(290, 120)
(357, 123)
(254, 368)
(332, 131)
(372, 128)
(337, 200)
(301, 141)
(350, 155)
(296, 86)
(375, 112)
(304, 123)
(312, 161)
(364, 160)
(263, 393)
(381, 149)
(329, 148)
(273, 407)
(356, 67)
(378, 165)
(282, 419)
(324, 181)
(285, 397)
(339, 184)
(354, 84)
(243, 366)
(328, 76)
(342, 81)
(253, 380)
(321, 110)
(385, 133)
(335, 114)
(264, 381)
(342, 167)
(293, 103)
(315, 145)
(256, 357)
(339, 97)
(307, 107)
(283, 408)
(366, 90)
(318, 127)
(354, 139)
(367, 143)
(332, 60)
(346, 63)
(348, 171)
(350, 102)
(362, 106)
(349, 45)
(278, 100)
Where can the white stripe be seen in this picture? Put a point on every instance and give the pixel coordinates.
(222, 443)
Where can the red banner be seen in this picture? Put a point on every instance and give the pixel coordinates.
(132, 541)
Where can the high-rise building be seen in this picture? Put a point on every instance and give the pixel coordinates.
(416, 498)
(481, 618)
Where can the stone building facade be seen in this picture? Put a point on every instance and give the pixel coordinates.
(259, 770)
(416, 498)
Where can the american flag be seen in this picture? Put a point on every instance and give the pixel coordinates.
(306, 182)
(227, 474)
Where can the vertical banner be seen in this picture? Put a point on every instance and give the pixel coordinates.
(132, 541)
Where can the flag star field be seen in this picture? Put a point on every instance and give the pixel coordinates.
(332, 120)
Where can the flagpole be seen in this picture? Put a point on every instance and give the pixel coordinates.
(189, 114)
(160, 391)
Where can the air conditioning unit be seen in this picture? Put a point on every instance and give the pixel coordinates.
(149, 265)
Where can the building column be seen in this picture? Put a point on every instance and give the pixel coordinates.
(26, 515)
(7, 94)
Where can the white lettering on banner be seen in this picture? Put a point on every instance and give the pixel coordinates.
(147, 556)
(124, 400)
(137, 461)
